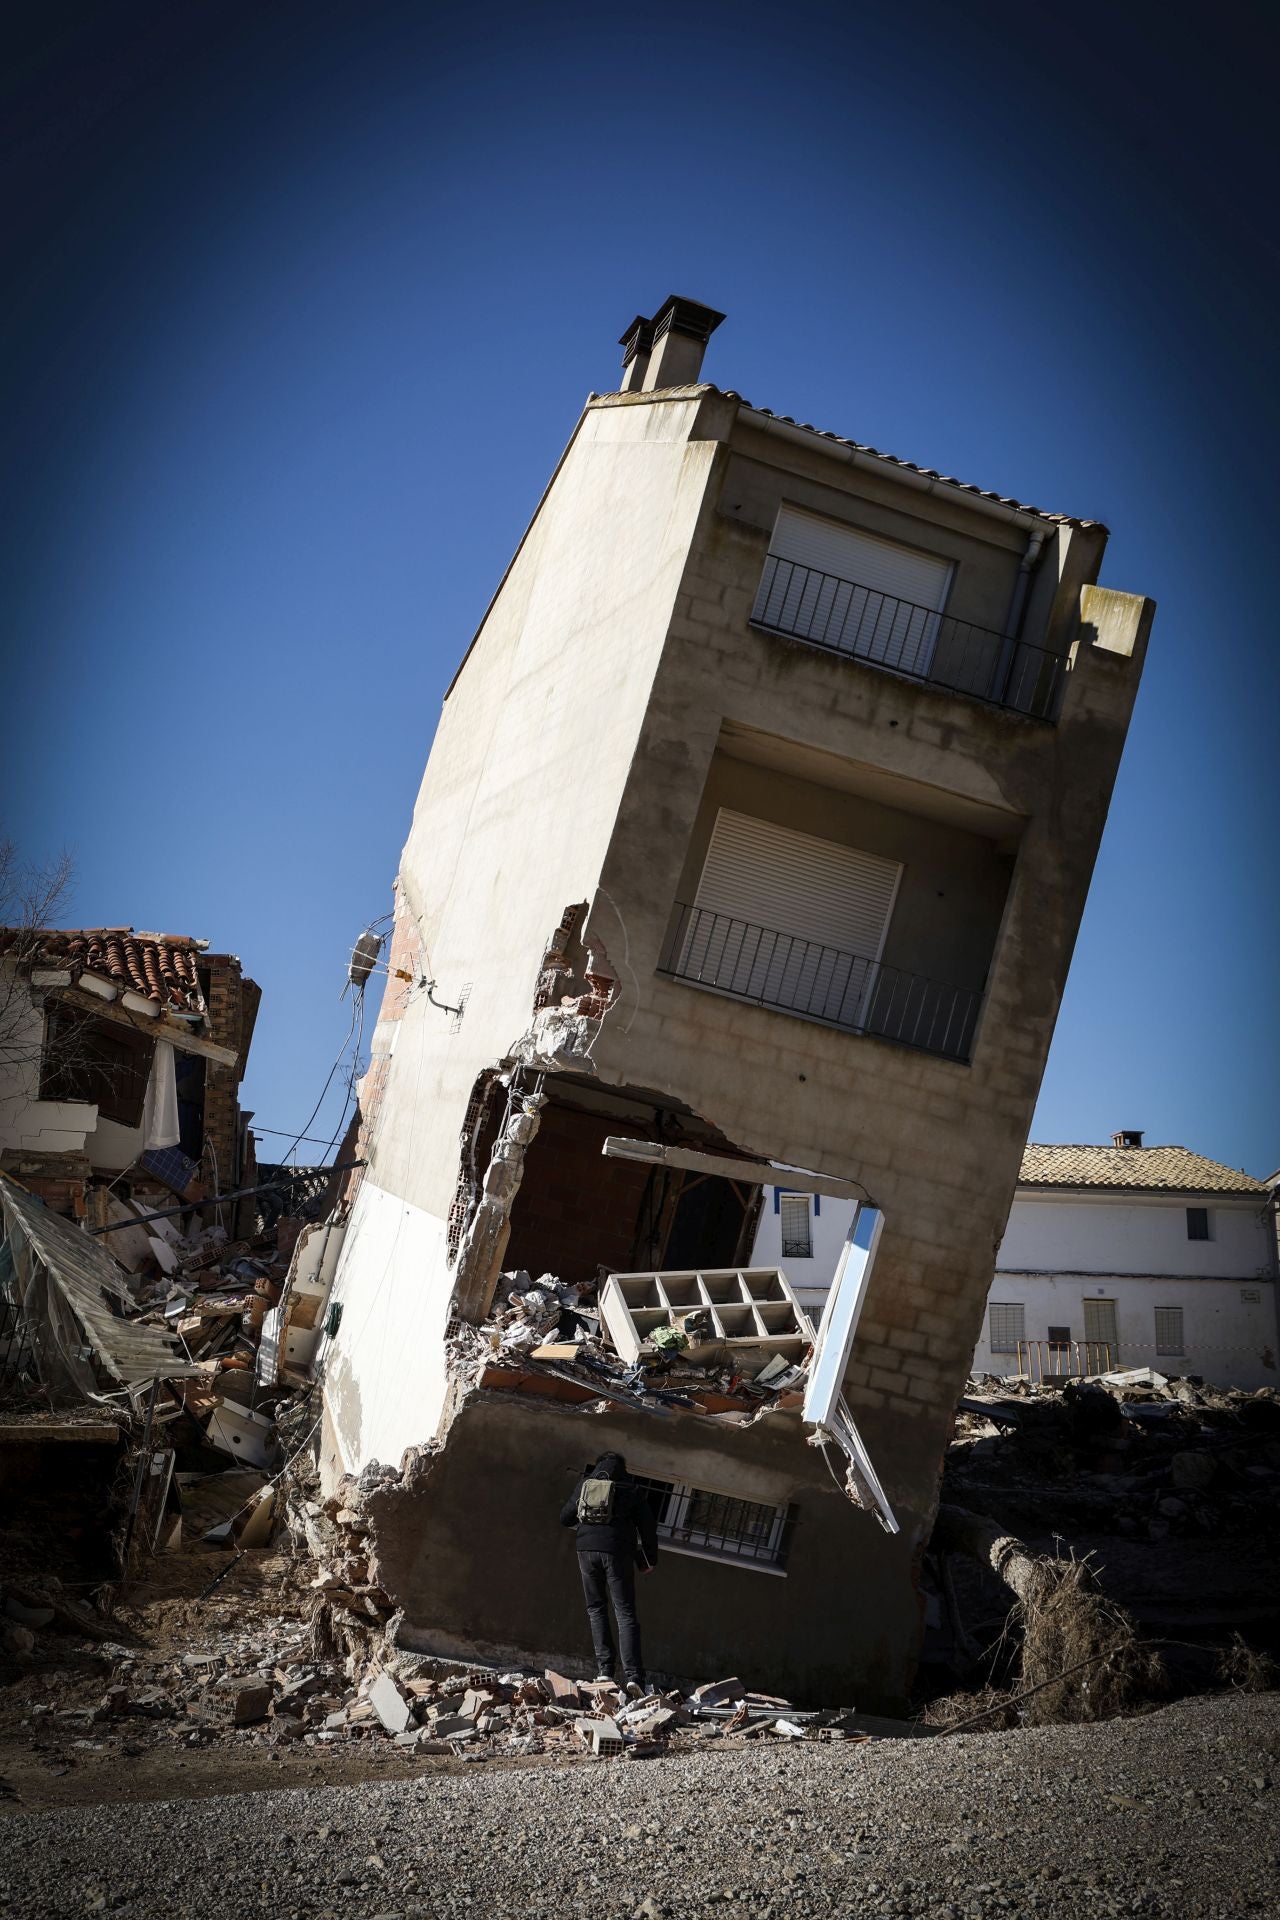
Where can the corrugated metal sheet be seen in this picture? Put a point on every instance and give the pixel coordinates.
(76, 1267)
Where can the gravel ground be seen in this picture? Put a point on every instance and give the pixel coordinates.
(1171, 1814)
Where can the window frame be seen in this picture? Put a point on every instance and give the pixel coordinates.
(86, 1060)
(1197, 1217)
(794, 1201)
(673, 1501)
(1006, 1306)
(1179, 1351)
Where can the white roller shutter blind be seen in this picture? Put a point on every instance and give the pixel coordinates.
(788, 918)
(852, 590)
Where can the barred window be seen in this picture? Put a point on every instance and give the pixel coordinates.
(797, 1230)
(1008, 1326)
(717, 1526)
(1169, 1330)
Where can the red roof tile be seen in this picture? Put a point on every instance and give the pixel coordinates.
(159, 966)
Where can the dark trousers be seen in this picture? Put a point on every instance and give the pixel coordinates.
(605, 1577)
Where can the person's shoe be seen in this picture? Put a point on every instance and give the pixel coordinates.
(601, 1680)
(636, 1689)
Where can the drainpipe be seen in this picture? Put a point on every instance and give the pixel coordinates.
(1017, 605)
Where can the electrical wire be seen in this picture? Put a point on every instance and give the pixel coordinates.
(352, 1077)
(285, 1133)
(356, 1013)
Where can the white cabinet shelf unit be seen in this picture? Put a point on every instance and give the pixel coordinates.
(748, 1311)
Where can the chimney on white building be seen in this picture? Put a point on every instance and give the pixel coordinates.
(1127, 1137)
(667, 350)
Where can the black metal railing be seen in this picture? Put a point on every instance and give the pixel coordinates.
(806, 604)
(794, 975)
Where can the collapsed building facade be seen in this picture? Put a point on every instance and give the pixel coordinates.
(121, 1341)
(121, 1057)
(751, 849)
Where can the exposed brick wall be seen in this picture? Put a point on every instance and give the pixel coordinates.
(59, 1179)
(405, 966)
(232, 1003)
(575, 1209)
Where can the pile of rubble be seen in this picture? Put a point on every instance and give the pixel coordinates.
(432, 1706)
(246, 1315)
(423, 1706)
(553, 1330)
(161, 1373)
(1137, 1453)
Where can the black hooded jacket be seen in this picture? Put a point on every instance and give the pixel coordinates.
(633, 1520)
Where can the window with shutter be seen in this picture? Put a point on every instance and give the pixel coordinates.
(1007, 1325)
(789, 919)
(1169, 1330)
(1100, 1322)
(797, 1230)
(843, 588)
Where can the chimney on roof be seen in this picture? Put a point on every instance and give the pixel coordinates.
(1127, 1137)
(667, 350)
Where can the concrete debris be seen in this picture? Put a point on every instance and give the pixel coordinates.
(264, 1686)
(389, 1704)
(194, 1457)
(1149, 1496)
(548, 1337)
(1137, 1454)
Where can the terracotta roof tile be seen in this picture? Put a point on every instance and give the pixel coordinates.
(1140, 1169)
(159, 966)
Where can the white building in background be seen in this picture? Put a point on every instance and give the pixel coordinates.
(1155, 1254)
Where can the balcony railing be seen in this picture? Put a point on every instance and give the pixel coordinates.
(1063, 1359)
(807, 604)
(792, 975)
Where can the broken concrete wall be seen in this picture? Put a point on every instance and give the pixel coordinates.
(449, 1536)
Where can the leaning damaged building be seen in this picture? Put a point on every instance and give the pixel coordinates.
(751, 850)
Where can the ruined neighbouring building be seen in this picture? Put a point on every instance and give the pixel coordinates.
(121, 1057)
(756, 830)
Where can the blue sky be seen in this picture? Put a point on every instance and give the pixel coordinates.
(307, 304)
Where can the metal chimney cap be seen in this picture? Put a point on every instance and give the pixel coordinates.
(677, 315)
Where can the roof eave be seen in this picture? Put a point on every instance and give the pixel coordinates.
(1093, 1188)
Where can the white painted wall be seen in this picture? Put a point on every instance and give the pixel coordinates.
(30, 1124)
(1059, 1250)
(828, 1225)
(26, 1121)
(1135, 1233)
(384, 1371)
(1229, 1326)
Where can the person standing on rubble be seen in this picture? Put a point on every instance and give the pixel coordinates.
(617, 1532)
